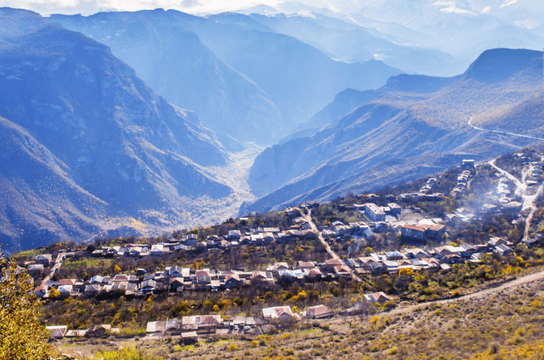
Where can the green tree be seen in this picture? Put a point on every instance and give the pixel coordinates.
(22, 336)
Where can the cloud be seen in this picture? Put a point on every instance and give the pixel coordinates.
(190, 3)
(88, 7)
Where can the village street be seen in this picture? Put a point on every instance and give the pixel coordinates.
(331, 252)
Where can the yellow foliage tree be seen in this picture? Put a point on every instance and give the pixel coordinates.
(54, 293)
(406, 272)
(22, 336)
(116, 269)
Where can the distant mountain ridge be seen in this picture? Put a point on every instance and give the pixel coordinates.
(85, 140)
(244, 79)
(417, 126)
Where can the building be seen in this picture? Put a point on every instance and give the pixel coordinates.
(374, 212)
(278, 312)
(378, 297)
(319, 312)
(414, 232)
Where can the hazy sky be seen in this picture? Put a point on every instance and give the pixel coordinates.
(87, 7)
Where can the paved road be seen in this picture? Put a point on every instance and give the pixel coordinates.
(331, 252)
(502, 132)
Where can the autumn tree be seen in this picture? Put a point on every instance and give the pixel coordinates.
(22, 336)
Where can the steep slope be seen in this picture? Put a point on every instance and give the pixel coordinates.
(114, 141)
(407, 131)
(38, 199)
(165, 52)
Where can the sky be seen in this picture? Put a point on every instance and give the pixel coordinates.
(87, 7)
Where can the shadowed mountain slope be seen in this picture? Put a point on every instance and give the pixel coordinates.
(99, 138)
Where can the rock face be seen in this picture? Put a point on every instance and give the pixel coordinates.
(85, 139)
(418, 125)
(168, 55)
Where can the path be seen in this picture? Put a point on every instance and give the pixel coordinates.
(331, 252)
(475, 295)
(502, 132)
(58, 263)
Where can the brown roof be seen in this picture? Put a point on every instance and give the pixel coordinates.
(333, 262)
(416, 228)
(318, 310)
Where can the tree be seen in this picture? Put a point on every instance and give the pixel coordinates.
(116, 269)
(22, 336)
(54, 293)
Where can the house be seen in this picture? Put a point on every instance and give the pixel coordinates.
(41, 291)
(278, 312)
(394, 255)
(414, 232)
(306, 265)
(232, 281)
(44, 259)
(395, 209)
(176, 284)
(496, 241)
(189, 337)
(155, 327)
(67, 282)
(149, 285)
(174, 271)
(374, 212)
(234, 234)
(173, 327)
(35, 270)
(65, 290)
(203, 277)
(308, 234)
(97, 279)
(319, 312)
(92, 290)
(503, 250)
(331, 264)
(436, 231)
(157, 250)
(57, 332)
(378, 297)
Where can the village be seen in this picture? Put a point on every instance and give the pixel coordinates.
(427, 252)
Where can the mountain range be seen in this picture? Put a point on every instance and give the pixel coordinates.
(244, 79)
(413, 126)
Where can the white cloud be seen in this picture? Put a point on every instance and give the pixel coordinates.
(508, 3)
(451, 7)
(87, 7)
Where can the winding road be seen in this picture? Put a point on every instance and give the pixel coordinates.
(502, 132)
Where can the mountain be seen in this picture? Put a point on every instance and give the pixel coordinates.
(88, 146)
(351, 42)
(299, 78)
(417, 126)
(463, 28)
(169, 56)
(349, 99)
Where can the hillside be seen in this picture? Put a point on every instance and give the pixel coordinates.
(419, 126)
(103, 144)
(168, 55)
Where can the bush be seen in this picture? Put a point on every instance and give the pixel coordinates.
(254, 344)
(233, 347)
